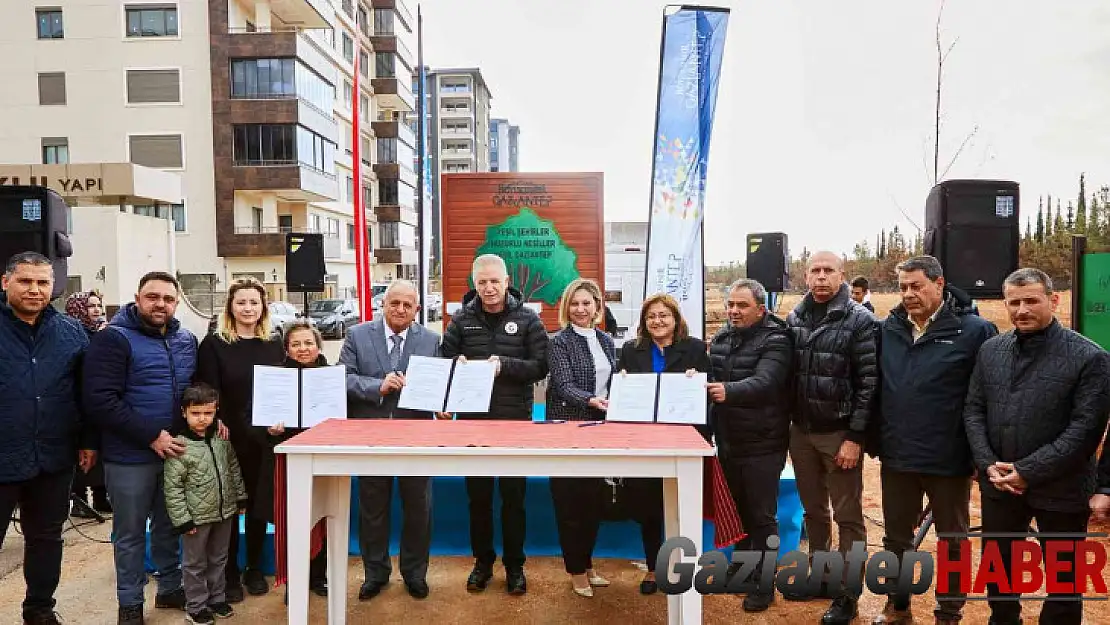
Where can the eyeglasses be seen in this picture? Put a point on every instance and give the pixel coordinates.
(659, 316)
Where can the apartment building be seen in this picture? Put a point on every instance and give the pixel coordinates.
(504, 140)
(249, 101)
(458, 105)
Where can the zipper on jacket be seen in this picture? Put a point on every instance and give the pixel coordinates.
(219, 479)
(173, 376)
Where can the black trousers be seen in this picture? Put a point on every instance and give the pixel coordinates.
(645, 505)
(754, 483)
(479, 490)
(1011, 513)
(578, 515)
(249, 455)
(43, 509)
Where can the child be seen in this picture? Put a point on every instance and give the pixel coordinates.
(204, 496)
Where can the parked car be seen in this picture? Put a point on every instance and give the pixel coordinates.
(333, 317)
(435, 306)
(282, 315)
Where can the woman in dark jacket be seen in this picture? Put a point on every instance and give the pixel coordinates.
(87, 308)
(662, 345)
(302, 351)
(581, 364)
(225, 361)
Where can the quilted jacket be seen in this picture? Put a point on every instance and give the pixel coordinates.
(573, 377)
(1040, 401)
(205, 485)
(836, 372)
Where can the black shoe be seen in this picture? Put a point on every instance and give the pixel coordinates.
(479, 577)
(130, 615)
(758, 602)
(234, 594)
(648, 587)
(370, 589)
(843, 609)
(515, 581)
(418, 589)
(319, 587)
(202, 617)
(41, 617)
(173, 600)
(255, 582)
(221, 610)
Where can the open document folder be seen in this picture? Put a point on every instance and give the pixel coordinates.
(658, 398)
(298, 398)
(446, 385)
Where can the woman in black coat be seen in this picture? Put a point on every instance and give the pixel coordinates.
(87, 308)
(662, 345)
(581, 360)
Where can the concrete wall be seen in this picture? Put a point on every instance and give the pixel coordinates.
(112, 250)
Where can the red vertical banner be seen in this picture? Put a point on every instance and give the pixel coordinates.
(362, 248)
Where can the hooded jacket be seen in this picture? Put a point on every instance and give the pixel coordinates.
(923, 387)
(517, 336)
(133, 391)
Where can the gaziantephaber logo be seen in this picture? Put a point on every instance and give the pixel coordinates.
(1034, 565)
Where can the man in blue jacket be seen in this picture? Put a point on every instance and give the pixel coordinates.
(140, 365)
(40, 422)
(927, 353)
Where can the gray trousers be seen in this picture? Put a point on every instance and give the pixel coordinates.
(821, 482)
(203, 562)
(375, 494)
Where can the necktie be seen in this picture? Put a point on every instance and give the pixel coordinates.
(395, 353)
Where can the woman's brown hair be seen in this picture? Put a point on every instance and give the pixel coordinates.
(581, 284)
(227, 319)
(681, 331)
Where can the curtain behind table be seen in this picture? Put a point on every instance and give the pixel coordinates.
(281, 524)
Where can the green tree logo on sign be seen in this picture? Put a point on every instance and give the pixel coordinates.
(540, 264)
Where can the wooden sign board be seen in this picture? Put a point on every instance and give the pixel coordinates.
(549, 228)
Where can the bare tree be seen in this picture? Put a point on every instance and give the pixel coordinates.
(942, 58)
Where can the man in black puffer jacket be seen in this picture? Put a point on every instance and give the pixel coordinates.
(929, 344)
(1035, 413)
(751, 360)
(835, 381)
(494, 323)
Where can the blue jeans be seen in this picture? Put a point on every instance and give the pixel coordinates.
(136, 494)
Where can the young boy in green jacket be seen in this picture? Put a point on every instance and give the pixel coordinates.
(204, 496)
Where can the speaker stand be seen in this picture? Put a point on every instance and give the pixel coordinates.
(87, 511)
(305, 295)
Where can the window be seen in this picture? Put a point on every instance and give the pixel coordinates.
(152, 21)
(177, 212)
(348, 95)
(493, 142)
(333, 228)
(285, 223)
(50, 23)
(153, 86)
(314, 223)
(392, 192)
(364, 106)
(383, 21)
(351, 189)
(264, 144)
(368, 196)
(55, 150)
(350, 236)
(493, 167)
(347, 131)
(387, 150)
(363, 21)
(348, 48)
(256, 219)
(315, 151)
(158, 151)
(262, 78)
(384, 65)
(52, 88)
(315, 90)
(364, 63)
(395, 234)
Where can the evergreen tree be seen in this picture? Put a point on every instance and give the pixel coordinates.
(1094, 221)
(1028, 238)
(918, 244)
(879, 246)
(1069, 220)
(1081, 210)
(1040, 222)
(882, 245)
(1058, 222)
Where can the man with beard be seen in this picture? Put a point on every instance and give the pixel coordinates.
(139, 367)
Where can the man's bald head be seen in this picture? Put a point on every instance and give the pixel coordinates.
(824, 275)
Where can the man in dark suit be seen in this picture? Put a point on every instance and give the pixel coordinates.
(376, 354)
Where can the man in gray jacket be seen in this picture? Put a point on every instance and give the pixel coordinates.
(376, 355)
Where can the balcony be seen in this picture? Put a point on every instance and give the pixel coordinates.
(393, 171)
(448, 131)
(401, 8)
(395, 213)
(393, 93)
(457, 154)
(456, 111)
(393, 43)
(282, 13)
(399, 130)
(294, 181)
(396, 256)
(270, 241)
(455, 89)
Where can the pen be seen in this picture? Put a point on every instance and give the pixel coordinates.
(589, 423)
(551, 421)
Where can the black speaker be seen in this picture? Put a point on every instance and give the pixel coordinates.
(304, 263)
(35, 219)
(973, 228)
(769, 261)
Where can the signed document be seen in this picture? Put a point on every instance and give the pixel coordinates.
(323, 395)
(632, 397)
(426, 382)
(276, 395)
(682, 399)
(298, 398)
(471, 386)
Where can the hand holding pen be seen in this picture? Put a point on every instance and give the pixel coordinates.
(394, 381)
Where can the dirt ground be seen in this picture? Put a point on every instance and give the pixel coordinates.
(87, 592)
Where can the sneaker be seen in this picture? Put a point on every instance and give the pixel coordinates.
(255, 582)
(130, 615)
(173, 600)
(203, 617)
(42, 617)
(515, 581)
(234, 593)
(221, 610)
(479, 577)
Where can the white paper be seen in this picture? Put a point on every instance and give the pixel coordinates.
(632, 397)
(323, 394)
(426, 381)
(682, 399)
(275, 396)
(471, 387)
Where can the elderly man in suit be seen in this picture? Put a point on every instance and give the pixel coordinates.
(376, 355)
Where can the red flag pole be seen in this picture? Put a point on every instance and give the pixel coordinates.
(362, 249)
